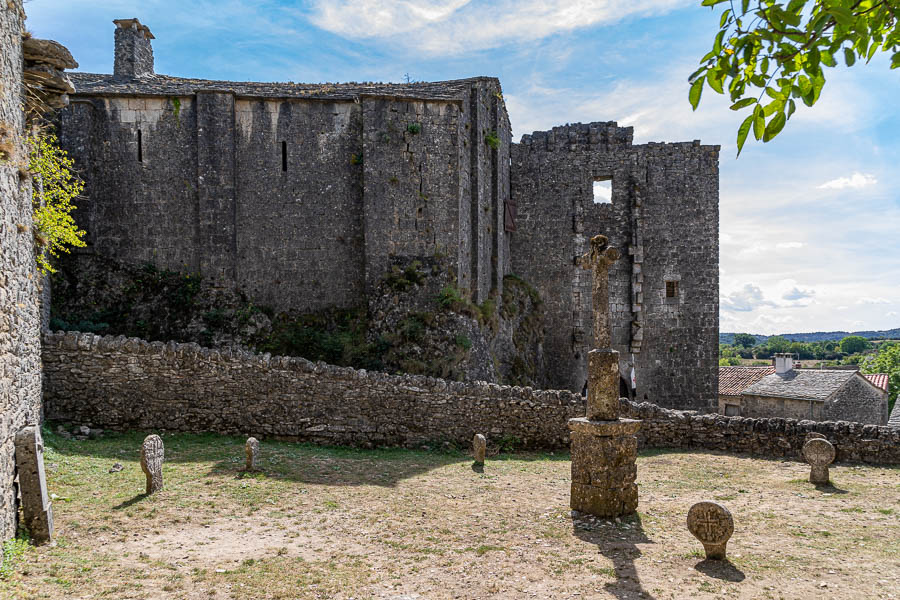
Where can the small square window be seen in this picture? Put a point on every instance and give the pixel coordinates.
(671, 289)
(602, 191)
(732, 410)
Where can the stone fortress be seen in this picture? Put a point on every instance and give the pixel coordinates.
(303, 196)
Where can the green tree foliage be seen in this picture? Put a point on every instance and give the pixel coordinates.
(744, 339)
(887, 360)
(55, 187)
(767, 54)
(853, 344)
(778, 343)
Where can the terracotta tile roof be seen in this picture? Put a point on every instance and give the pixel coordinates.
(879, 380)
(801, 384)
(733, 380)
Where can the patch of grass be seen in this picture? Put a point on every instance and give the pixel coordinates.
(485, 548)
(13, 551)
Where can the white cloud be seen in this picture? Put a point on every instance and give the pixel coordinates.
(798, 294)
(748, 298)
(892, 313)
(870, 300)
(789, 245)
(457, 26)
(855, 181)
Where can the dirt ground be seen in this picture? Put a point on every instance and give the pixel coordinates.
(426, 524)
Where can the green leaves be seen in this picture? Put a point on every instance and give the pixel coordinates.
(781, 49)
(696, 90)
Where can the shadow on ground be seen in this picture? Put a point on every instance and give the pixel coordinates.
(617, 541)
(291, 461)
(720, 569)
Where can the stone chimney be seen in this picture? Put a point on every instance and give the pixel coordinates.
(134, 53)
(783, 363)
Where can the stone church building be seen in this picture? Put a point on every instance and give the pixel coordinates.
(304, 195)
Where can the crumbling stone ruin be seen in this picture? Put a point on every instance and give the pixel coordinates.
(20, 318)
(304, 197)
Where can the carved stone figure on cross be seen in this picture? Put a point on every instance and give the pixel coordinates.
(598, 261)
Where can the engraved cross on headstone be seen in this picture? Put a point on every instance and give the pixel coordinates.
(598, 260)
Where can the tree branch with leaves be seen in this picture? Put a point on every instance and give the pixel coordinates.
(768, 55)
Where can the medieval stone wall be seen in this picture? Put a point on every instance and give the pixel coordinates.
(20, 359)
(120, 383)
(664, 220)
(300, 203)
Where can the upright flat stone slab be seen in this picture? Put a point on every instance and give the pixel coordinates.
(33, 484)
(712, 524)
(251, 448)
(603, 466)
(819, 453)
(479, 448)
(152, 456)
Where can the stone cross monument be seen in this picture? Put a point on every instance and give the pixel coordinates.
(604, 447)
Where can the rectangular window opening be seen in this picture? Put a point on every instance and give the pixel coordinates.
(602, 190)
(732, 410)
(140, 147)
(671, 289)
(284, 156)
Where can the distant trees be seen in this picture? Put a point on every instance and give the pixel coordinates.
(853, 344)
(850, 350)
(745, 340)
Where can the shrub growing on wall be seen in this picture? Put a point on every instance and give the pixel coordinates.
(55, 187)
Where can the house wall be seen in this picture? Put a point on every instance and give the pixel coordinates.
(20, 352)
(664, 220)
(766, 406)
(858, 401)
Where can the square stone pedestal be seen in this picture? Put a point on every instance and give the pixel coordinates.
(603, 466)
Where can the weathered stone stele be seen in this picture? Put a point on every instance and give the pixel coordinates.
(819, 453)
(252, 450)
(712, 524)
(152, 456)
(36, 506)
(479, 447)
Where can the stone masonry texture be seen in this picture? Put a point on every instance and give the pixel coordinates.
(302, 196)
(126, 383)
(20, 357)
(663, 218)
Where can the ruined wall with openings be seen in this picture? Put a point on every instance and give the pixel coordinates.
(302, 203)
(663, 217)
(119, 383)
(20, 358)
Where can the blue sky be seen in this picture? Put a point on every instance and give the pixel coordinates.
(810, 223)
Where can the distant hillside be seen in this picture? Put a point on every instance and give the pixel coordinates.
(820, 336)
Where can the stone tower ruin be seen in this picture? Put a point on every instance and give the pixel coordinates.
(304, 195)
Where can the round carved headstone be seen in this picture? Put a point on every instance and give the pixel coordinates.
(712, 524)
(812, 435)
(818, 452)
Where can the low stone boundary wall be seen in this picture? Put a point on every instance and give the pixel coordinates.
(118, 383)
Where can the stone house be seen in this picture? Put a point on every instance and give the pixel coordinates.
(733, 381)
(303, 196)
(814, 394)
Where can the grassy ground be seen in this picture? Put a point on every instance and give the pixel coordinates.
(339, 523)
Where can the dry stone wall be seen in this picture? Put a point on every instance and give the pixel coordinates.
(20, 359)
(126, 383)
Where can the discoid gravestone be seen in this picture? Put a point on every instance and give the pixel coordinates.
(479, 447)
(36, 506)
(252, 450)
(819, 453)
(712, 524)
(152, 455)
